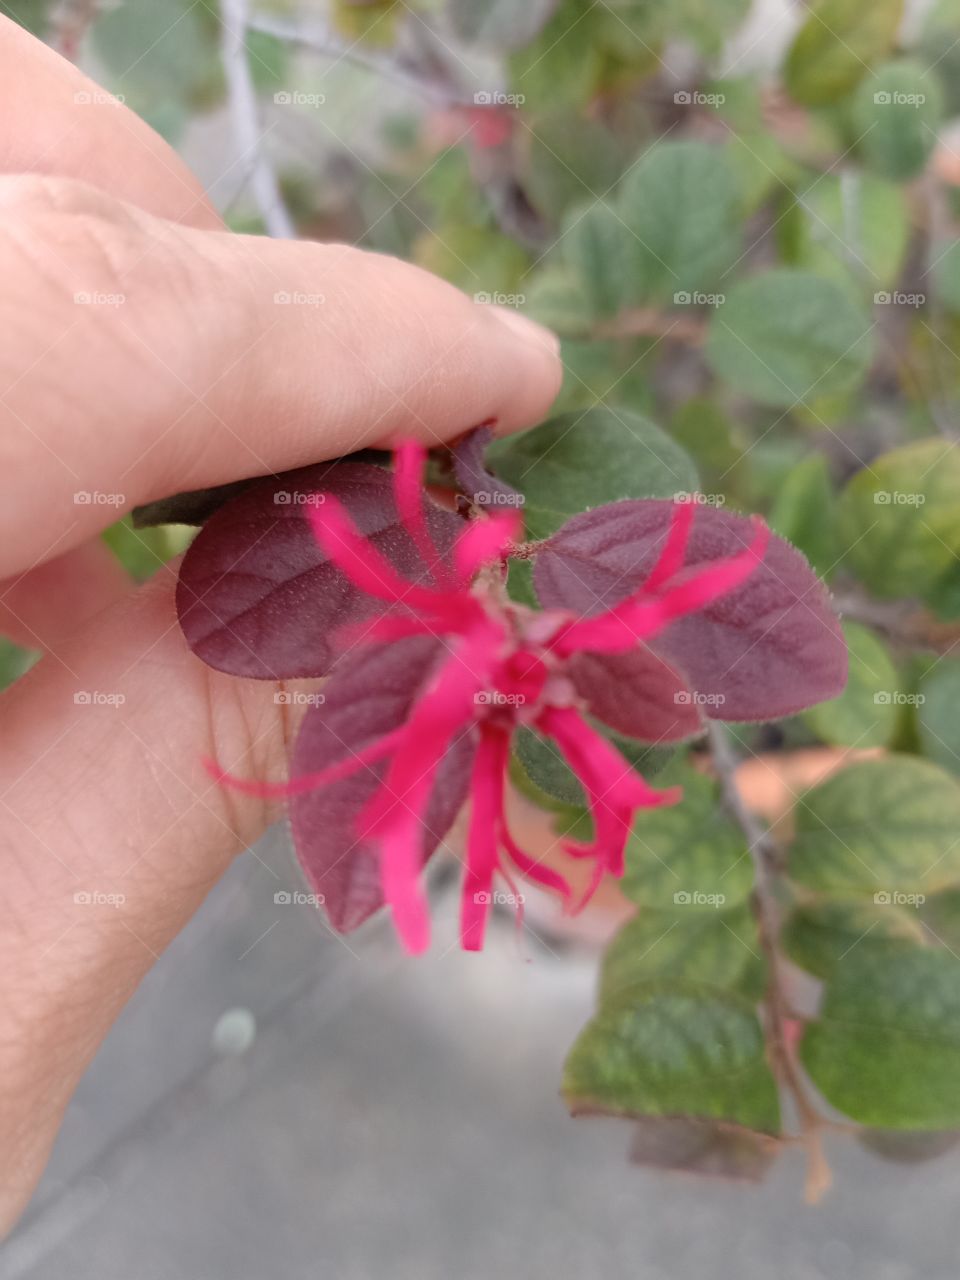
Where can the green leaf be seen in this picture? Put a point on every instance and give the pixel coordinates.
(885, 826)
(787, 336)
(941, 918)
(563, 62)
(14, 661)
(545, 777)
(886, 1048)
(896, 113)
(705, 431)
(478, 260)
(901, 520)
(569, 159)
(584, 459)
(852, 226)
(498, 24)
(371, 21)
(720, 950)
(689, 855)
(938, 714)
(33, 15)
(682, 204)
(818, 936)
(865, 714)
(946, 273)
(143, 551)
(546, 768)
(804, 512)
(633, 27)
(668, 1047)
(555, 298)
(595, 245)
(836, 46)
(162, 57)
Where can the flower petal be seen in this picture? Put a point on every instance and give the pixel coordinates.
(486, 792)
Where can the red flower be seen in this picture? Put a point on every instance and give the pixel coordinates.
(506, 667)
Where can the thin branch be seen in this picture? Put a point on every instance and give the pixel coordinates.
(649, 322)
(763, 853)
(904, 623)
(242, 103)
(321, 40)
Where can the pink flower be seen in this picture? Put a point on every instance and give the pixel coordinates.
(506, 668)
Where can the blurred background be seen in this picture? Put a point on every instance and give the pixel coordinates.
(744, 220)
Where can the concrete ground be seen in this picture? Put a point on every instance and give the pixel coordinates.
(397, 1119)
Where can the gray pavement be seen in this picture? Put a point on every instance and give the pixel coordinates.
(398, 1119)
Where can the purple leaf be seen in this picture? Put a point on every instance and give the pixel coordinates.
(257, 597)
(482, 487)
(370, 693)
(768, 649)
(637, 694)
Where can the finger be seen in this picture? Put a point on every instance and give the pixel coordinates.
(58, 121)
(203, 357)
(41, 606)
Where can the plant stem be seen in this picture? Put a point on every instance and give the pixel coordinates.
(649, 322)
(322, 41)
(245, 117)
(763, 853)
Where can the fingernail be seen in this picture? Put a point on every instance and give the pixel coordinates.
(522, 327)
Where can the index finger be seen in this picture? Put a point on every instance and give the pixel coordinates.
(144, 358)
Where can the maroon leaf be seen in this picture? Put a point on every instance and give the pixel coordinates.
(768, 649)
(257, 597)
(370, 693)
(636, 694)
(482, 487)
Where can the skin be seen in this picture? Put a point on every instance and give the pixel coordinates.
(197, 377)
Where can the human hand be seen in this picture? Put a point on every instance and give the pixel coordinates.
(181, 372)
